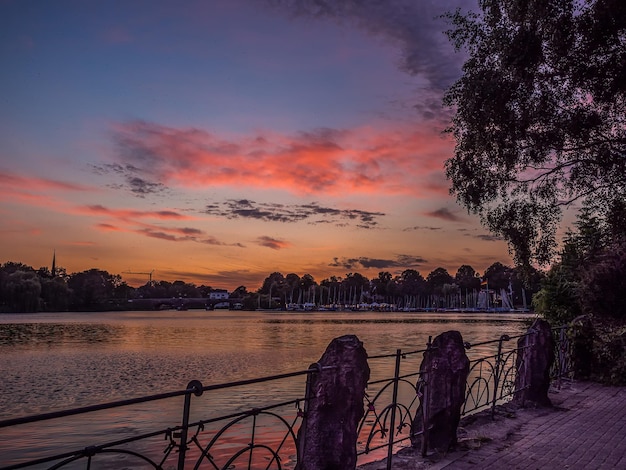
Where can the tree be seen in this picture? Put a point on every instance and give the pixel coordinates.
(92, 288)
(539, 115)
(239, 293)
(292, 284)
(411, 282)
(498, 275)
(381, 285)
(437, 278)
(604, 283)
(467, 278)
(22, 291)
(55, 294)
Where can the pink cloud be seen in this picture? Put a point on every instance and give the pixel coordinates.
(273, 243)
(327, 161)
(129, 224)
(13, 180)
(108, 227)
(98, 209)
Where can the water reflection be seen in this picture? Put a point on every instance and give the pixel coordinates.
(58, 361)
(54, 334)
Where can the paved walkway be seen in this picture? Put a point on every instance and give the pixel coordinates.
(585, 430)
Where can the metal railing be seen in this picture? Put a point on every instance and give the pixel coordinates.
(491, 379)
(192, 443)
(267, 436)
(392, 405)
(562, 368)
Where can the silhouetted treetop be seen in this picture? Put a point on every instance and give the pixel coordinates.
(539, 114)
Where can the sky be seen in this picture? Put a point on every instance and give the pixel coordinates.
(216, 142)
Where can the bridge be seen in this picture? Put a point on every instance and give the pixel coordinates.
(183, 303)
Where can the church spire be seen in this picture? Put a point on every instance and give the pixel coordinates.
(54, 264)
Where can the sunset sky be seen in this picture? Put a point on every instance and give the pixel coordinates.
(218, 141)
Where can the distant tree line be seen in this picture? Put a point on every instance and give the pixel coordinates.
(25, 289)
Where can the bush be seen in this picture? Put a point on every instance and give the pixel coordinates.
(603, 288)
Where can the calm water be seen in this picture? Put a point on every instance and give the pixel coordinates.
(56, 361)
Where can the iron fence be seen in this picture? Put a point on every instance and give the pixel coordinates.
(392, 404)
(562, 368)
(266, 437)
(491, 379)
(218, 442)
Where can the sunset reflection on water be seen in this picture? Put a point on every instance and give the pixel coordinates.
(59, 361)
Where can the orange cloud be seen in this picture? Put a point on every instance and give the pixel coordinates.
(328, 161)
(173, 234)
(108, 227)
(98, 209)
(273, 243)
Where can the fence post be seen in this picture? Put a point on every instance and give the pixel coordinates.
(195, 387)
(425, 399)
(535, 356)
(334, 406)
(394, 402)
(582, 336)
(446, 367)
(497, 373)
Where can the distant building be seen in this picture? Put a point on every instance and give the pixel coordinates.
(218, 294)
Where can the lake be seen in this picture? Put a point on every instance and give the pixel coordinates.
(54, 361)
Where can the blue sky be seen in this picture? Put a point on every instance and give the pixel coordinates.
(216, 142)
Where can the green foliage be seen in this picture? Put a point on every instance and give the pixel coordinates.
(603, 284)
(539, 115)
(557, 301)
(609, 352)
(590, 276)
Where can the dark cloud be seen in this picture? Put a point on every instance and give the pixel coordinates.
(141, 187)
(415, 26)
(364, 262)
(420, 227)
(184, 234)
(162, 235)
(274, 212)
(132, 182)
(214, 241)
(486, 237)
(444, 214)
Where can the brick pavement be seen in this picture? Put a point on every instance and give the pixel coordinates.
(585, 430)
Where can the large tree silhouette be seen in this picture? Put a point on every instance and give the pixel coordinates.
(539, 114)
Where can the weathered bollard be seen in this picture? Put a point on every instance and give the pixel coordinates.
(582, 336)
(443, 376)
(535, 356)
(328, 435)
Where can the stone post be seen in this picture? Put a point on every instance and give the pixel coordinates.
(443, 373)
(334, 407)
(535, 356)
(582, 336)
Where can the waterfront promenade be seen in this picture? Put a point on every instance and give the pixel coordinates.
(586, 429)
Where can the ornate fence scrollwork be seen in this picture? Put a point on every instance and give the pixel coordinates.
(267, 437)
(562, 367)
(491, 379)
(391, 410)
